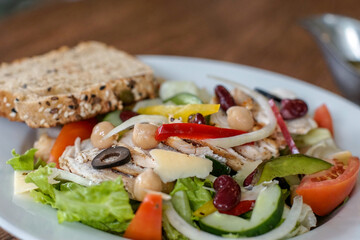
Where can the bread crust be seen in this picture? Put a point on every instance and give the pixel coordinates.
(40, 108)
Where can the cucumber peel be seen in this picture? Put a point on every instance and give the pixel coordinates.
(266, 215)
(291, 165)
(184, 98)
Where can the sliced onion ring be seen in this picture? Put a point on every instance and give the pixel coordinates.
(252, 136)
(193, 233)
(155, 119)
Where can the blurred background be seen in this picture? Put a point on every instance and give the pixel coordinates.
(262, 33)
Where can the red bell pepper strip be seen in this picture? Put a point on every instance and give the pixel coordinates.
(193, 131)
(323, 118)
(67, 136)
(241, 208)
(147, 221)
(290, 142)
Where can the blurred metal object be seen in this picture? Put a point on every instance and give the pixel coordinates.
(339, 39)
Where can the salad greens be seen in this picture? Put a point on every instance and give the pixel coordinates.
(24, 162)
(193, 187)
(105, 206)
(188, 195)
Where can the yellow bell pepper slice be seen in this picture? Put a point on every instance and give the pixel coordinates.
(206, 209)
(183, 111)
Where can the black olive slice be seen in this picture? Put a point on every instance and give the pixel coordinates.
(111, 157)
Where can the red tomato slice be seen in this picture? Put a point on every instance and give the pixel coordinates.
(67, 136)
(147, 221)
(325, 190)
(323, 118)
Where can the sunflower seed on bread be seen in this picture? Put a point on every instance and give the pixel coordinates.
(71, 84)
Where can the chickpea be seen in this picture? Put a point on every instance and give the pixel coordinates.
(147, 180)
(144, 135)
(240, 118)
(98, 133)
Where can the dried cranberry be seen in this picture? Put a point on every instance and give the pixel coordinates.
(293, 108)
(197, 118)
(126, 115)
(228, 193)
(225, 99)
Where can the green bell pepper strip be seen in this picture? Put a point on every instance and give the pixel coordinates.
(291, 165)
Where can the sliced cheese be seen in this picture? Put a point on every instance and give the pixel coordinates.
(171, 165)
(20, 186)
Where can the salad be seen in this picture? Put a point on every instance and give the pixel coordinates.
(236, 163)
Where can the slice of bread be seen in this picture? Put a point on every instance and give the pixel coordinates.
(71, 84)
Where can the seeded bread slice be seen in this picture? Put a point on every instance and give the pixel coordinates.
(71, 84)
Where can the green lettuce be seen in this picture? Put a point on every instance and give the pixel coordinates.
(23, 162)
(195, 191)
(105, 206)
(26, 161)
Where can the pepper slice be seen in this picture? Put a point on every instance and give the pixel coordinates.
(291, 165)
(193, 131)
(290, 142)
(242, 207)
(206, 209)
(183, 111)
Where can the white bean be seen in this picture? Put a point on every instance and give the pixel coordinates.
(144, 135)
(240, 118)
(98, 133)
(147, 180)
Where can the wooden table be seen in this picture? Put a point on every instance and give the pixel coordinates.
(261, 33)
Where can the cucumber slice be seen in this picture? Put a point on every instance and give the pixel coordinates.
(184, 98)
(113, 118)
(170, 88)
(266, 215)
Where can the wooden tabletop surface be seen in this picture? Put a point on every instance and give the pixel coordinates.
(264, 34)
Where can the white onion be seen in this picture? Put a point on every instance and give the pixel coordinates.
(193, 233)
(68, 176)
(156, 119)
(252, 136)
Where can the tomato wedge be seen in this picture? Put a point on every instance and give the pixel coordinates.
(147, 221)
(323, 118)
(325, 190)
(67, 136)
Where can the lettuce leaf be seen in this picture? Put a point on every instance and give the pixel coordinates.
(23, 162)
(26, 161)
(46, 192)
(105, 206)
(195, 191)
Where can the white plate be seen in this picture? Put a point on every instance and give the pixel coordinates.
(28, 220)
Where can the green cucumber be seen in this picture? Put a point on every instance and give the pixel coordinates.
(266, 215)
(291, 165)
(184, 98)
(218, 167)
(113, 117)
(169, 89)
